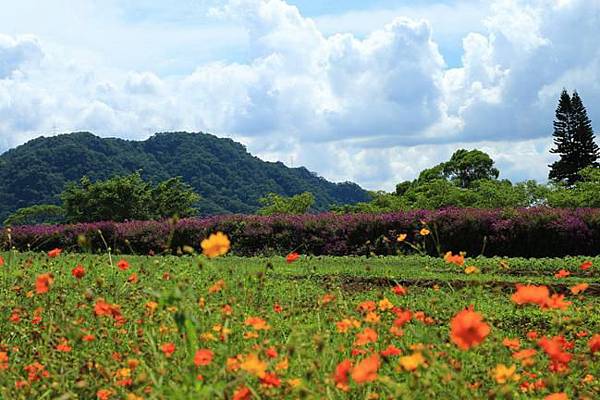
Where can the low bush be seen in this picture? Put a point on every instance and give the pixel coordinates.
(531, 232)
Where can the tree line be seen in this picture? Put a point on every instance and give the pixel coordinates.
(468, 179)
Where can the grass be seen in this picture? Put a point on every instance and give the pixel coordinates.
(303, 335)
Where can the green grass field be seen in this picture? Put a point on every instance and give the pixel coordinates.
(295, 352)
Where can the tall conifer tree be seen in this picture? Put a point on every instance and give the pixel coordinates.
(574, 140)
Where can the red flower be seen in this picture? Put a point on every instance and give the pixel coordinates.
(555, 349)
(585, 265)
(122, 265)
(168, 349)
(340, 376)
(292, 257)
(562, 274)
(399, 290)
(43, 282)
(54, 253)
(1, 261)
(242, 393)
(78, 272)
(133, 278)
(277, 308)
(391, 350)
(270, 379)
(203, 357)
(467, 329)
(594, 343)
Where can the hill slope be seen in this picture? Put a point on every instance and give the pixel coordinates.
(229, 179)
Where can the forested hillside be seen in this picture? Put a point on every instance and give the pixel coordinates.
(229, 179)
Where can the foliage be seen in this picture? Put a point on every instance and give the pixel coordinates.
(128, 197)
(574, 140)
(466, 167)
(584, 193)
(38, 214)
(221, 171)
(527, 232)
(273, 204)
(282, 330)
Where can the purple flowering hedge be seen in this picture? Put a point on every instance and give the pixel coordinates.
(534, 232)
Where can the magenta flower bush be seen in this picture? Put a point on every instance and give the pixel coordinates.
(533, 232)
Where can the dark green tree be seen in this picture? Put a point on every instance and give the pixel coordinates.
(172, 198)
(38, 214)
(127, 197)
(466, 167)
(574, 140)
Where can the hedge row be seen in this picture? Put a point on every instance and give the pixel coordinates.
(533, 232)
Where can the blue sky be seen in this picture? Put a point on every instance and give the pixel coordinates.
(369, 91)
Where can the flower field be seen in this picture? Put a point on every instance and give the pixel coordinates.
(81, 326)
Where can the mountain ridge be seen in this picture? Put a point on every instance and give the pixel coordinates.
(222, 171)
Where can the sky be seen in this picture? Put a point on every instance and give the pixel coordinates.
(366, 91)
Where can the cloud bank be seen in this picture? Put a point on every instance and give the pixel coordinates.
(373, 108)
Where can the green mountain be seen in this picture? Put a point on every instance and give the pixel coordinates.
(229, 179)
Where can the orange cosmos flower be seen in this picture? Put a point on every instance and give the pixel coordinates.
(277, 308)
(327, 298)
(527, 294)
(216, 245)
(467, 329)
(367, 306)
(104, 394)
(253, 365)
(1, 261)
(203, 357)
(424, 232)
(385, 304)
(242, 393)
(133, 278)
(3, 360)
(54, 253)
(168, 349)
(292, 257)
(78, 272)
(555, 348)
(257, 323)
(585, 265)
(401, 237)
(556, 301)
(562, 274)
(123, 264)
(217, 286)
(88, 338)
(580, 288)
(367, 336)
(43, 282)
(457, 259)
(366, 370)
(340, 376)
(557, 396)
(594, 343)
(512, 344)
(403, 316)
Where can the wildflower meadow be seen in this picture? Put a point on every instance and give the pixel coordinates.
(219, 326)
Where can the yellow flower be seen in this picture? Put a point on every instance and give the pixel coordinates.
(503, 374)
(372, 318)
(294, 382)
(216, 245)
(424, 232)
(254, 365)
(401, 237)
(471, 270)
(385, 305)
(412, 362)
